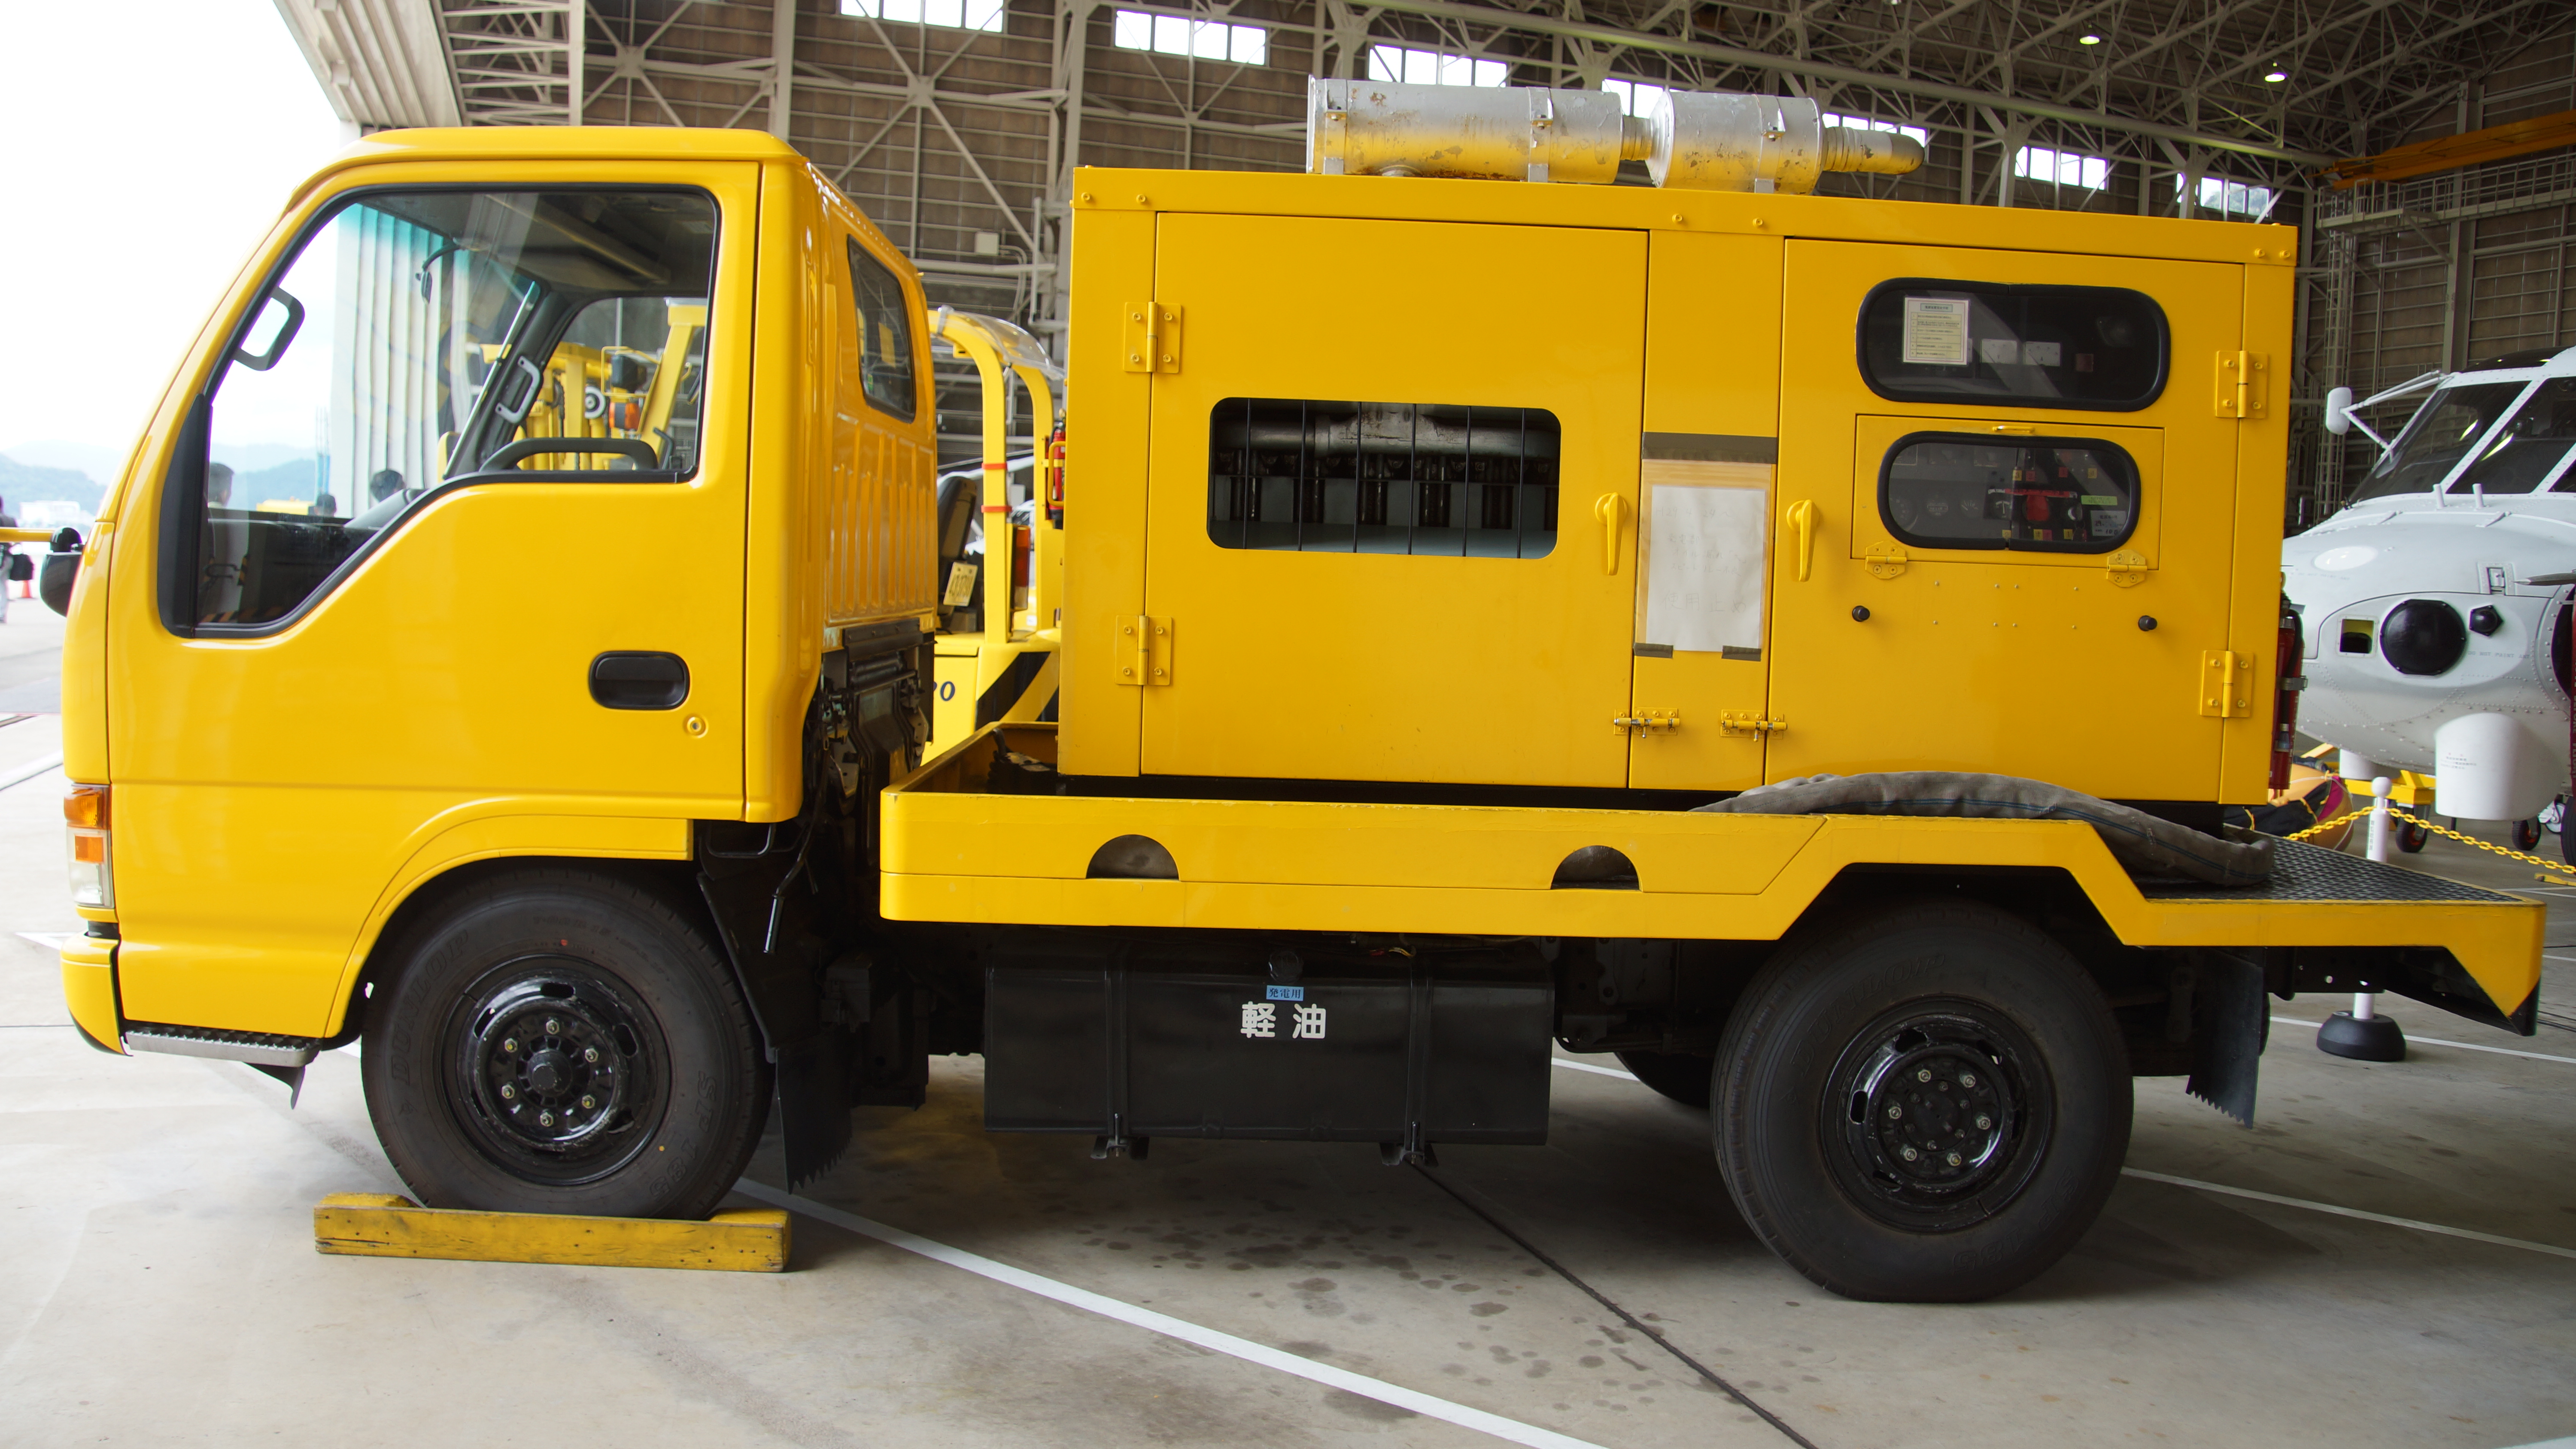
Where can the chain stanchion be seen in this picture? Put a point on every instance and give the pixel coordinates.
(2560, 873)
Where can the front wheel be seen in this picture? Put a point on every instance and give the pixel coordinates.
(1928, 1105)
(557, 1041)
(2413, 838)
(2526, 835)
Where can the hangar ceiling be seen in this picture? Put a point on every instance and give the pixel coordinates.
(956, 123)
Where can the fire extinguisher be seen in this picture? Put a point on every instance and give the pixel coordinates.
(1055, 478)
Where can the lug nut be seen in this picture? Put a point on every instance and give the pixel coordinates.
(1967, 1079)
(1894, 1111)
(1984, 1123)
(1954, 1159)
(509, 1043)
(554, 1028)
(589, 1102)
(508, 1091)
(1922, 1074)
(590, 1054)
(545, 1119)
(1908, 1153)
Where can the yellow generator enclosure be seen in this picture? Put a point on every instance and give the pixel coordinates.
(1493, 483)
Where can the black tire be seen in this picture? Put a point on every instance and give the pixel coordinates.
(1684, 1078)
(2526, 835)
(2412, 838)
(554, 1040)
(2020, 1064)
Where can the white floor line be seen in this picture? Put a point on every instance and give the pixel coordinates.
(1430, 1407)
(31, 770)
(2466, 1046)
(1572, 1066)
(2345, 1212)
(50, 940)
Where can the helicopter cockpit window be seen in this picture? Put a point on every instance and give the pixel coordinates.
(2442, 431)
(2531, 449)
(2047, 495)
(2101, 349)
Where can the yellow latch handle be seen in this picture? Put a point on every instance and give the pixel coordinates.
(25, 535)
(1610, 508)
(1802, 518)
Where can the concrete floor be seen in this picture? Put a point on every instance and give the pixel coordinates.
(158, 1282)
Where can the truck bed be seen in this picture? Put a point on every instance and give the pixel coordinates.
(956, 849)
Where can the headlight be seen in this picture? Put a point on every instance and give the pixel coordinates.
(85, 829)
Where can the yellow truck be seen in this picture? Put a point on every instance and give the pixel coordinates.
(1384, 690)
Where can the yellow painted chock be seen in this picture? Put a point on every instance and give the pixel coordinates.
(380, 1225)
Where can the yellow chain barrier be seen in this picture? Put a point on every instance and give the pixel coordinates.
(2561, 872)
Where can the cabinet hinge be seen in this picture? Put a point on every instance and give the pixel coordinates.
(2244, 379)
(1153, 337)
(1885, 561)
(1749, 724)
(2226, 685)
(1143, 652)
(2128, 568)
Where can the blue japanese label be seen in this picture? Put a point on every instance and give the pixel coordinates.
(1287, 993)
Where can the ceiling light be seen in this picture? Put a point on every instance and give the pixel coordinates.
(2276, 77)
(2089, 40)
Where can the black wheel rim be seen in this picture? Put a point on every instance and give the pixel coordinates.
(1936, 1115)
(556, 1069)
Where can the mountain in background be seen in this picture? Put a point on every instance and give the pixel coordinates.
(22, 483)
(101, 464)
(289, 481)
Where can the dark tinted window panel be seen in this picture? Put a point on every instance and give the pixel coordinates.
(885, 335)
(2102, 349)
(2046, 495)
(1363, 477)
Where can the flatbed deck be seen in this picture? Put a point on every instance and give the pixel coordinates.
(954, 850)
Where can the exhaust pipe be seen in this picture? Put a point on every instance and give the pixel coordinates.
(1692, 140)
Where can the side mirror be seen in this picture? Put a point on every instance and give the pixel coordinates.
(2339, 411)
(54, 576)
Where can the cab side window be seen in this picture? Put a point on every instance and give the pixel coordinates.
(1321, 476)
(885, 335)
(2046, 495)
(420, 341)
(2101, 349)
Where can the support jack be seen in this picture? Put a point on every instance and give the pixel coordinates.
(2361, 1034)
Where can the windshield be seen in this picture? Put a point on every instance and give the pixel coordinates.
(2443, 429)
(421, 338)
(2529, 449)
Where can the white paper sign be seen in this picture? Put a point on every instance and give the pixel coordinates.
(1936, 331)
(1704, 559)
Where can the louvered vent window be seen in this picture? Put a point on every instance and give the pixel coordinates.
(1366, 477)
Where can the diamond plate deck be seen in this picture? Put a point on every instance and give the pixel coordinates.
(2305, 873)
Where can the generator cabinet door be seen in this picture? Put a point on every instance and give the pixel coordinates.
(1393, 501)
(2006, 505)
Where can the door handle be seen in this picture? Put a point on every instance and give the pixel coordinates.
(1609, 508)
(1802, 522)
(635, 679)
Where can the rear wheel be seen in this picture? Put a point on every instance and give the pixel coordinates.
(2412, 838)
(2526, 834)
(559, 1041)
(1928, 1105)
(1682, 1077)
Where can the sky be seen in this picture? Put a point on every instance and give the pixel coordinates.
(146, 147)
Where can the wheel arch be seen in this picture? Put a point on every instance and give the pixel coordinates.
(427, 893)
